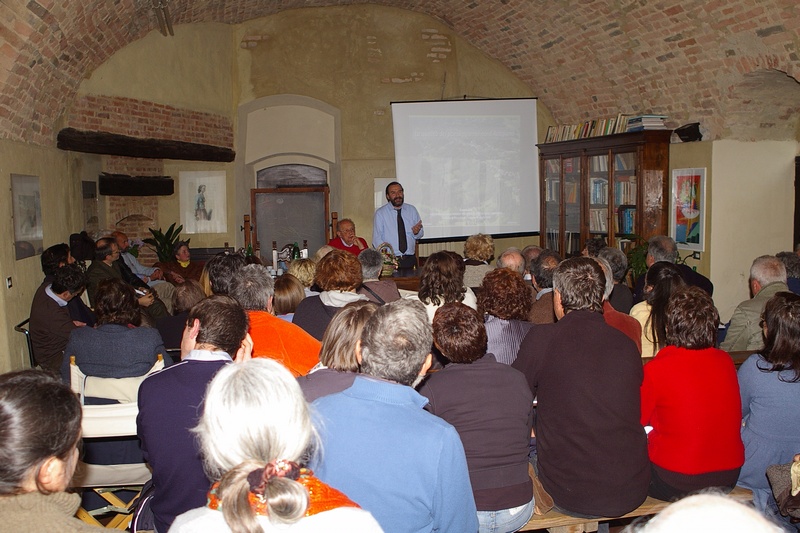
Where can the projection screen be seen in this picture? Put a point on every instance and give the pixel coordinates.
(469, 166)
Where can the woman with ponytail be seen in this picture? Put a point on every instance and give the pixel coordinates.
(254, 434)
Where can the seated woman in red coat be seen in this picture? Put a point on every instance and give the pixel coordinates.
(690, 396)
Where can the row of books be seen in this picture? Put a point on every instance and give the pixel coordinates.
(625, 192)
(598, 191)
(597, 220)
(626, 219)
(605, 126)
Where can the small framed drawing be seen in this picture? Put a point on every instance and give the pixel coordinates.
(203, 202)
(27, 210)
(687, 223)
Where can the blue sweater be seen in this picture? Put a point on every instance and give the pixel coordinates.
(397, 461)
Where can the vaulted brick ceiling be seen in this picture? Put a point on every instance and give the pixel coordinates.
(732, 65)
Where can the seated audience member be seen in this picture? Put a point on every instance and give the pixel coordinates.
(663, 280)
(767, 278)
(152, 276)
(54, 258)
(442, 281)
(182, 268)
(272, 337)
(259, 485)
(662, 248)
(116, 347)
(690, 397)
(107, 265)
(222, 269)
(513, 259)
(621, 297)
(530, 253)
(593, 247)
(402, 464)
(542, 310)
(591, 448)
(171, 402)
(304, 270)
(505, 301)
(346, 238)
(338, 274)
(625, 323)
(338, 366)
(322, 252)
(37, 458)
(377, 290)
(187, 295)
(288, 295)
(769, 383)
(791, 262)
(50, 322)
(478, 251)
(491, 407)
(702, 513)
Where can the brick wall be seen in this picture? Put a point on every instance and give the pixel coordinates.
(139, 118)
(583, 59)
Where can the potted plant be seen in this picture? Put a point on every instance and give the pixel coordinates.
(164, 242)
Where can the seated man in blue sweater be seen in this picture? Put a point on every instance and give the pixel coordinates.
(171, 402)
(381, 448)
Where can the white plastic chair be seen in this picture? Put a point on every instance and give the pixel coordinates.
(111, 420)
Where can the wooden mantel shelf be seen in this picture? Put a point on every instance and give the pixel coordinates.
(95, 142)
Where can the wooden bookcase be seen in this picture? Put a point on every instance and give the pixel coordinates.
(613, 186)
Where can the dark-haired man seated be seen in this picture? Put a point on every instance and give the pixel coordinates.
(54, 258)
(591, 449)
(107, 265)
(50, 323)
(171, 402)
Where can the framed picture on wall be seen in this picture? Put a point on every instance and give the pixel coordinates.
(27, 211)
(687, 223)
(203, 196)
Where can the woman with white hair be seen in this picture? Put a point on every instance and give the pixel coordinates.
(254, 431)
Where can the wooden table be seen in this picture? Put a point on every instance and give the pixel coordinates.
(406, 279)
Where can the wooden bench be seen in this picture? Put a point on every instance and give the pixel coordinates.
(555, 522)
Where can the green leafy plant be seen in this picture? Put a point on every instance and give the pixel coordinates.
(164, 242)
(636, 257)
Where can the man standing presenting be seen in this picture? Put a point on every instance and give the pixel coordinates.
(399, 224)
(591, 449)
(346, 238)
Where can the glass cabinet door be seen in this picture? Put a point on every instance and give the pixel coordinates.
(625, 195)
(552, 192)
(598, 196)
(572, 206)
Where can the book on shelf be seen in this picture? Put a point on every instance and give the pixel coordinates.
(626, 219)
(597, 220)
(571, 192)
(625, 192)
(646, 122)
(598, 191)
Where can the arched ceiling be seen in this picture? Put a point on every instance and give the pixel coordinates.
(688, 60)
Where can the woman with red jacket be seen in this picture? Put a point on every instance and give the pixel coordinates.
(690, 397)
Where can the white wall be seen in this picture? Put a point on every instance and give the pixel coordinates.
(752, 212)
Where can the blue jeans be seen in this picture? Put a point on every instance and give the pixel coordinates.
(505, 520)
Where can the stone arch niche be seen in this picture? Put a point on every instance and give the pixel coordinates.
(285, 130)
(763, 106)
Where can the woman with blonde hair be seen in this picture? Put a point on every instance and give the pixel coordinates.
(478, 251)
(338, 365)
(262, 487)
(304, 270)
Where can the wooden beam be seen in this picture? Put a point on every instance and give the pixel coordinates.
(95, 142)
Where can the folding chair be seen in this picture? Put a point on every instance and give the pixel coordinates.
(111, 420)
(22, 329)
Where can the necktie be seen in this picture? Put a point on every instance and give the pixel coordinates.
(401, 232)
